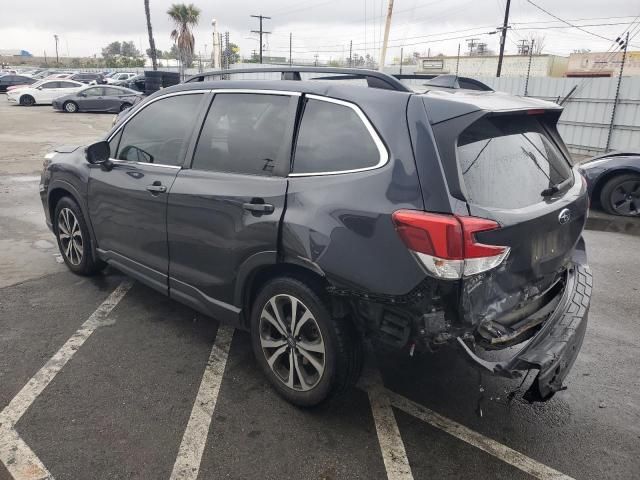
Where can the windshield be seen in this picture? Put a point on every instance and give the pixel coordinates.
(509, 161)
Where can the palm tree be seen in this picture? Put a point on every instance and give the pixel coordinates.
(184, 17)
(152, 43)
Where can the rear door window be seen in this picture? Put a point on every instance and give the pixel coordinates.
(67, 85)
(334, 138)
(507, 161)
(245, 133)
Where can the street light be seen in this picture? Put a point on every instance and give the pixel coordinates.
(57, 60)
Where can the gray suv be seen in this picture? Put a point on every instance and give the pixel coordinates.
(315, 214)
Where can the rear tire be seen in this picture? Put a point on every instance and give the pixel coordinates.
(27, 100)
(316, 357)
(74, 240)
(70, 107)
(621, 195)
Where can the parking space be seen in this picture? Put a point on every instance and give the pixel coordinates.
(103, 385)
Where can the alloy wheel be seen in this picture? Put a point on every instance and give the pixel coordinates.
(292, 342)
(70, 236)
(70, 107)
(625, 198)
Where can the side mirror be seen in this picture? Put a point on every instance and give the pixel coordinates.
(98, 153)
(38, 88)
(82, 94)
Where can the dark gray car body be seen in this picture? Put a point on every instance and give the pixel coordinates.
(338, 229)
(599, 170)
(109, 101)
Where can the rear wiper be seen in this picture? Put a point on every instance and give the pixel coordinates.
(555, 188)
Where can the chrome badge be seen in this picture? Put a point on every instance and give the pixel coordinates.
(564, 216)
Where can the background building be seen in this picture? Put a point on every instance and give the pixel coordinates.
(14, 53)
(602, 64)
(486, 65)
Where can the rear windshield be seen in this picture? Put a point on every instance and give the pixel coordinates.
(507, 161)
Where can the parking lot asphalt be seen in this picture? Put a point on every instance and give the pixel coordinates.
(102, 385)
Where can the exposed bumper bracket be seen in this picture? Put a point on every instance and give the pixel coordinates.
(554, 348)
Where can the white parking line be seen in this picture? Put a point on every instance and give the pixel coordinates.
(195, 435)
(16, 455)
(498, 450)
(394, 455)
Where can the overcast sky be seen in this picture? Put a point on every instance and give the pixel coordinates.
(324, 27)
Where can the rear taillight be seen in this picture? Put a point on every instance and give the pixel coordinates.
(446, 244)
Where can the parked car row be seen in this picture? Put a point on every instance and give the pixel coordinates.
(72, 96)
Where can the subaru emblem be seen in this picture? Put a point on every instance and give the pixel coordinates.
(565, 216)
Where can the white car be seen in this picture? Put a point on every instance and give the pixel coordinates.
(44, 92)
(117, 77)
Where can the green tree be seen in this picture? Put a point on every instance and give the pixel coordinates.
(111, 50)
(158, 54)
(129, 50)
(152, 43)
(184, 18)
(233, 53)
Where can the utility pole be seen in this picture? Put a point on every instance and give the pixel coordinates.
(471, 43)
(57, 59)
(260, 32)
(385, 41)
(526, 83)
(350, 53)
(401, 54)
(315, 62)
(503, 36)
(290, 48)
(615, 100)
(458, 60)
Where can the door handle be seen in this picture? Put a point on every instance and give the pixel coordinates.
(258, 207)
(156, 187)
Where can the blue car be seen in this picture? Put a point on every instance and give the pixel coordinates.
(613, 181)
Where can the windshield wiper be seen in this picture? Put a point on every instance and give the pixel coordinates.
(555, 188)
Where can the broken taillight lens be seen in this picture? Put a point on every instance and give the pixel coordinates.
(446, 244)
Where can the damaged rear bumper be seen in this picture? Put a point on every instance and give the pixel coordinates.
(553, 350)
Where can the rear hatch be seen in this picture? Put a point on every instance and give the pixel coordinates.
(511, 167)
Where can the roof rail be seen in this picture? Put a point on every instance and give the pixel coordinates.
(374, 78)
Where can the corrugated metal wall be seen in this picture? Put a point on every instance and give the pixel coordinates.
(584, 124)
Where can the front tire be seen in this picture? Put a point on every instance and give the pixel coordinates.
(70, 107)
(27, 100)
(73, 238)
(306, 354)
(621, 195)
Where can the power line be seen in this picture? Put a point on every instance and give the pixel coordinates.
(568, 23)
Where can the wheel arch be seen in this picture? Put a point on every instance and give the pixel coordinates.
(606, 176)
(61, 189)
(249, 285)
(24, 95)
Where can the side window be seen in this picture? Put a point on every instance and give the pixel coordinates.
(66, 85)
(160, 132)
(93, 92)
(113, 144)
(113, 92)
(333, 138)
(50, 85)
(245, 133)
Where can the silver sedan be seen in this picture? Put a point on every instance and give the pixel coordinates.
(98, 99)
